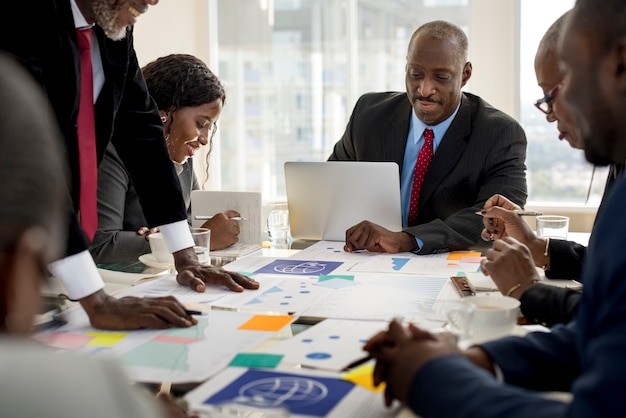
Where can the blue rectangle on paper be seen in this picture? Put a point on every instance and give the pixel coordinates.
(300, 267)
(300, 394)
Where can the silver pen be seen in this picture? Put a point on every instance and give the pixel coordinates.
(519, 212)
(206, 218)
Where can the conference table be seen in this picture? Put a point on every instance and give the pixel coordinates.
(332, 288)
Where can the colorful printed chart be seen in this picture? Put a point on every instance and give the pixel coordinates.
(177, 355)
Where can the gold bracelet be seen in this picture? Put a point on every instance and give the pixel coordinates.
(546, 253)
(513, 289)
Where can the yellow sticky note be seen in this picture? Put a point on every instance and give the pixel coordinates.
(266, 322)
(105, 339)
(363, 376)
(458, 255)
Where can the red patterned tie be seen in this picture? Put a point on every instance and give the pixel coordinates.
(86, 131)
(419, 172)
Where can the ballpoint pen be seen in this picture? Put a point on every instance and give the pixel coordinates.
(357, 363)
(519, 212)
(206, 218)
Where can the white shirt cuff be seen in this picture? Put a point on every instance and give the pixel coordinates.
(79, 275)
(177, 236)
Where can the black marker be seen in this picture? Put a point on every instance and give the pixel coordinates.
(192, 312)
(357, 363)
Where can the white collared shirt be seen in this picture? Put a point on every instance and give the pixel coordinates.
(78, 272)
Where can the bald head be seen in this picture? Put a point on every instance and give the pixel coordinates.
(443, 31)
(548, 44)
(592, 55)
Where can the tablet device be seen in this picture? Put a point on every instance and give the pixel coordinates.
(326, 198)
(206, 203)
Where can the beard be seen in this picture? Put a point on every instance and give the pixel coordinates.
(106, 14)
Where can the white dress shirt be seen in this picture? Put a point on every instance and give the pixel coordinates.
(78, 272)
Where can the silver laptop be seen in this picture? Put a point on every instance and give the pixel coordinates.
(206, 203)
(326, 198)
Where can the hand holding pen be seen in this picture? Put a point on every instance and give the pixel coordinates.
(503, 218)
(224, 226)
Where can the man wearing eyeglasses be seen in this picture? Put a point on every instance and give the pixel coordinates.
(453, 149)
(561, 259)
(511, 377)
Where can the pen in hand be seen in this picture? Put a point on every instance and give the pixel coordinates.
(519, 212)
(206, 218)
(357, 363)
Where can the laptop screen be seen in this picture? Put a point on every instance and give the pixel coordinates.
(326, 198)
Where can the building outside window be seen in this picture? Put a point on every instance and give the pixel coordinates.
(293, 70)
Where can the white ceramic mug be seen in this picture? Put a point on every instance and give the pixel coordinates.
(494, 316)
(159, 250)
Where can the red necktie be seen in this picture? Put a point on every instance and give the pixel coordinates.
(86, 131)
(419, 173)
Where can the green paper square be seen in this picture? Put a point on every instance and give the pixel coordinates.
(256, 360)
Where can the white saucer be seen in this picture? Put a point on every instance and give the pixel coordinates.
(150, 261)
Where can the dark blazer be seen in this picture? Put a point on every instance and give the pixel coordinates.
(481, 154)
(585, 357)
(125, 113)
(550, 305)
(120, 214)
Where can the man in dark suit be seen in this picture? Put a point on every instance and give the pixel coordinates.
(585, 357)
(478, 150)
(561, 259)
(124, 115)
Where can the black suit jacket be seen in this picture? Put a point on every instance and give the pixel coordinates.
(550, 305)
(481, 154)
(125, 113)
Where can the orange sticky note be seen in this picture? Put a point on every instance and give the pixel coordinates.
(458, 255)
(266, 322)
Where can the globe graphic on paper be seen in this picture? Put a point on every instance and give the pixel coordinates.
(308, 267)
(274, 391)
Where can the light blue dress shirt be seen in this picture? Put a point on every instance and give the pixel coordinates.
(414, 143)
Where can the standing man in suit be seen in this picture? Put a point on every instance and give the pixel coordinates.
(476, 150)
(585, 357)
(84, 59)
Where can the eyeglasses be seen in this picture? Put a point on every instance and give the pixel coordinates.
(545, 103)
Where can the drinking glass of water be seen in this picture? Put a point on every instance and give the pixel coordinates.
(549, 226)
(202, 244)
(278, 224)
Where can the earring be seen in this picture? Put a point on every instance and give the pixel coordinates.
(163, 119)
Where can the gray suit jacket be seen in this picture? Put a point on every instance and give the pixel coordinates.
(120, 213)
(481, 154)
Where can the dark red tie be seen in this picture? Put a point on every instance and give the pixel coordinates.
(86, 131)
(419, 173)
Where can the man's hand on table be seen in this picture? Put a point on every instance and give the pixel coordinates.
(401, 352)
(107, 312)
(371, 237)
(196, 276)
